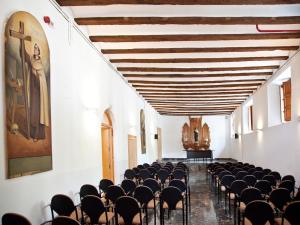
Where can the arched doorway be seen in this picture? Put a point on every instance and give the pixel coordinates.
(107, 147)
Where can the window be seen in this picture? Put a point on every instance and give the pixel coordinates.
(250, 118)
(285, 92)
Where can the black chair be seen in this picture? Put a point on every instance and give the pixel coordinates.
(14, 219)
(104, 184)
(258, 168)
(128, 186)
(271, 179)
(291, 213)
(127, 211)
(95, 210)
(171, 199)
(64, 220)
(289, 177)
(153, 185)
(276, 175)
(289, 185)
(241, 174)
(179, 175)
(146, 198)
(279, 198)
(297, 196)
(144, 174)
(265, 187)
(113, 193)
(129, 174)
(252, 170)
(152, 171)
(184, 190)
(250, 180)
(62, 205)
(146, 165)
(140, 167)
(248, 195)
(258, 174)
(267, 171)
(259, 213)
(88, 189)
(163, 176)
(225, 184)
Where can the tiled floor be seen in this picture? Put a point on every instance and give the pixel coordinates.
(205, 209)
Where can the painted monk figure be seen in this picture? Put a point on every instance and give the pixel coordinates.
(39, 98)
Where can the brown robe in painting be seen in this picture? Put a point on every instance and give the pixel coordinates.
(39, 103)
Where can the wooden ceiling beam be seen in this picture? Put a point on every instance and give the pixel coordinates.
(203, 101)
(195, 94)
(151, 76)
(196, 97)
(198, 86)
(187, 20)
(145, 91)
(194, 114)
(197, 50)
(173, 2)
(194, 82)
(210, 69)
(193, 37)
(200, 60)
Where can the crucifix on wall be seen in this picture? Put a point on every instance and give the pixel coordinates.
(22, 37)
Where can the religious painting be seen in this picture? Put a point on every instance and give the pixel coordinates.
(143, 131)
(27, 96)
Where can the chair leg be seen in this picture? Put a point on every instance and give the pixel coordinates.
(154, 215)
(146, 211)
(183, 220)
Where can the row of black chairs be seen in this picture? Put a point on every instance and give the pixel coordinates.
(127, 203)
(243, 183)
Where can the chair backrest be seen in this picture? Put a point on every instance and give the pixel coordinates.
(240, 175)
(88, 189)
(114, 192)
(291, 213)
(267, 171)
(237, 187)
(14, 219)
(163, 175)
(62, 205)
(271, 179)
(289, 185)
(251, 170)
(264, 186)
(128, 186)
(146, 165)
(289, 177)
(144, 174)
(227, 180)
(250, 180)
(179, 174)
(178, 184)
(129, 174)
(171, 196)
(127, 207)
(143, 195)
(258, 168)
(280, 197)
(152, 170)
(258, 174)
(250, 194)
(64, 220)
(104, 184)
(276, 175)
(152, 184)
(259, 212)
(140, 167)
(236, 170)
(93, 207)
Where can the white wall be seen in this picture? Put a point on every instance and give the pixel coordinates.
(83, 86)
(269, 146)
(172, 131)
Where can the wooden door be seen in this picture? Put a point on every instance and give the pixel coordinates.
(132, 151)
(107, 148)
(159, 144)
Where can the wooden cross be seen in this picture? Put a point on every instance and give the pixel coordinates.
(22, 37)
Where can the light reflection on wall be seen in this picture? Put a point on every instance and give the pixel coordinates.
(91, 123)
(90, 96)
